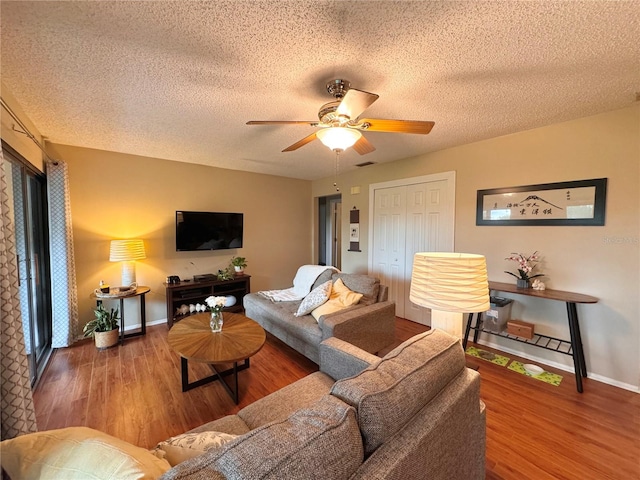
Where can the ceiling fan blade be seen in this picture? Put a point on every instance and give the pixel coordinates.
(313, 123)
(355, 102)
(300, 143)
(397, 126)
(362, 146)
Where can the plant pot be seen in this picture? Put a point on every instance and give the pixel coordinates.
(522, 283)
(239, 270)
(106, 339)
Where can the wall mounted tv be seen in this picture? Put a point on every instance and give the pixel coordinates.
(208, 231)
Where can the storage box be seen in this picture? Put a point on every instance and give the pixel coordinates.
(520, 328)
(496, 318)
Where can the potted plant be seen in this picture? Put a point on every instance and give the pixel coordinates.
(103, 328)
(525, 268)
(238, 264)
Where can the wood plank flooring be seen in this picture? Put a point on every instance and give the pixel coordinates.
(534, 430)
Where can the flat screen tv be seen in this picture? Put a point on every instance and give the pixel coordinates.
(208, 231)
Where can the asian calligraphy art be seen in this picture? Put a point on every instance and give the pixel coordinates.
(566, 203)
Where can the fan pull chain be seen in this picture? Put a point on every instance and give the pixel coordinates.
(335, 182)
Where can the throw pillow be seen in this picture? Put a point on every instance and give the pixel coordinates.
(314, 299)
(321, 441)
(388, 394)
(183, 447)
(368, 286)
(75, 453)
(341, 298)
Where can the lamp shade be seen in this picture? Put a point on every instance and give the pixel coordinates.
(450, 282)
(338, 138)
(126, 250)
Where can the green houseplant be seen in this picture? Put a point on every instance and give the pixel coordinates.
(238, 264)
(103, 328)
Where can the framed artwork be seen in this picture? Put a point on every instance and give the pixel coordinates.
(580, 202)
(354, 232)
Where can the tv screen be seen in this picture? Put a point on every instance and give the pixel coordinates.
(208, 231)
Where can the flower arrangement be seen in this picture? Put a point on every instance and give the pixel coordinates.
(215, 304)
(525, 265)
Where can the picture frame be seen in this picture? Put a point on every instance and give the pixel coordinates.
(580, 202)
(354, 232)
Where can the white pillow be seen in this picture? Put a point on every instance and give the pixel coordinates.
(77, 453)
(183, 447)
(314, 299)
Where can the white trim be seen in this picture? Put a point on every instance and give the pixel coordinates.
(559, 366)
(149, 324)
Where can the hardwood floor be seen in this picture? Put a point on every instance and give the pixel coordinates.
(534, 430)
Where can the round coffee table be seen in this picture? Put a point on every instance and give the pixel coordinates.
(193, 340)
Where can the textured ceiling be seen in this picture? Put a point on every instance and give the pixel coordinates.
(179, 80)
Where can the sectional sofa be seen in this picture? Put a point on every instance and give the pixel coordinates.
(369, 324)
(414, 414)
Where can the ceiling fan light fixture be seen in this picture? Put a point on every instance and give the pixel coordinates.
(338, 138)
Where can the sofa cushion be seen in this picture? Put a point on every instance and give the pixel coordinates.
(341, 298)
(314, 299)
(388, 394)
(77, 452)
(321, 441)
(364, 284)
(278, 405)
(188, 445)
(279, 319)
(231, 424)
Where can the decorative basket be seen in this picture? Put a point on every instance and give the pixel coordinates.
(115, 292)
(106, 339)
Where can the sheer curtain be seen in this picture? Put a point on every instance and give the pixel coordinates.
(64, 292)
(16, 405)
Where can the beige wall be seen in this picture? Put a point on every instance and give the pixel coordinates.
(118, 196)
(20, 142)
(599, 261)
(125, 196)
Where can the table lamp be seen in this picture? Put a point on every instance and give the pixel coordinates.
(450, 284)
(127, 252)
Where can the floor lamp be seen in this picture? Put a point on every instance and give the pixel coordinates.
(127, 252)
(450, 284)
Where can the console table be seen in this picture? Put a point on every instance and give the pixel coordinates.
(140, 292)
(572, 348)
(196, 292)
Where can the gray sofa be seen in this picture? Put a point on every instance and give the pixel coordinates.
(414, 414)
(369, 325)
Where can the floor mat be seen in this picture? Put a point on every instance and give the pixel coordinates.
(488, 356)
(547, 377)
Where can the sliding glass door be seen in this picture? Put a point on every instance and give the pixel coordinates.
(28, 189)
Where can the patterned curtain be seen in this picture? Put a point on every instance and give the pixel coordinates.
(16, 406)
(64, 292)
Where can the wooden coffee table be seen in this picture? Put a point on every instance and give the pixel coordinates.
(193, 340)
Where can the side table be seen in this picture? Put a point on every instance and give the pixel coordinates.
(140, 292)
(573, 348)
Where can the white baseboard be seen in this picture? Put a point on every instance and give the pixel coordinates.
(559, 366)
(149, 324)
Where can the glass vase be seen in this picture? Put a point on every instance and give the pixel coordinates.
(216, 322)
(523, 283)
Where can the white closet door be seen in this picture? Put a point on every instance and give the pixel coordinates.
(426, 232)
(389, 242)
(409, 216)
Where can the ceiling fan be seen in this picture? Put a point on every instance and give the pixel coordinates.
(340, 125)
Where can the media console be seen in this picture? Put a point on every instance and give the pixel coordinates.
(191, 293)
